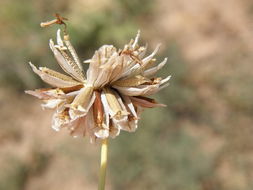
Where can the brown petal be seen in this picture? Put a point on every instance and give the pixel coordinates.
(98, 110)
(146, 102)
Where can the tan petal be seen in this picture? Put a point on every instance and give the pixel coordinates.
(60, 119)
(117, 70)
(98, 110)
(129, 105)
(101, 132)
(129, 124)
(153, 70)
(133, 81)
(73, 52)
(82, 102)
(54, 78)
(66, 63)
(100, 68)
(114, 130)
(46, 93)
(162, 84)
(137, 91)
(52, 103)
(93, 69)
(145, 89)
(90, 126)
(78, 127)
(146, 60)
(110, 97)
(145, 102)
(135, 43)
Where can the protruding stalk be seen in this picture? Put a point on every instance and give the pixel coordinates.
(102, 173)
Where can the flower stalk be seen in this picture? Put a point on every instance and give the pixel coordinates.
(103, 164)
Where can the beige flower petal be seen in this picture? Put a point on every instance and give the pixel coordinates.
(72, 52)
(90, 126)
(82, 102)
(117, 69)
(147, 59)
(153, 70)
(93, 71)
(145, 102)
(137, 91)
(143, 90)
(135, 43)
(60, 119)
(52, 103)
(100, 68)
(133, 81)
(129, 105)
(78, 127)
(66, 63)
(101, 132)
(110, 100)
(54, 78)
(114, 131)
(46, 93)
(162, 84)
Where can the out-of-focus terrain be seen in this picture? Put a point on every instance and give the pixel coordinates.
(201, 141)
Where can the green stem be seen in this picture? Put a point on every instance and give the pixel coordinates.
(102, 173)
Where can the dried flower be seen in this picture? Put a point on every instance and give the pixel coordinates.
(109, 98)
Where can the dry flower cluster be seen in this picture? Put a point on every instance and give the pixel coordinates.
(109, 97)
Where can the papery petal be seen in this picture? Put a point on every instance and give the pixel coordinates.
(90, 126)
(133, 81)
(143, 90)
(129, 124)
(137, 91)
(153, 70)
(78, 127)
(148, 58)
(118, 68)
(54, 78)
(60, 119)
(59, 39)
(101, 132)
(129, 105)
(46, 93)
(93, 69)
(162, 84)
(113, 131)
(66, 63)
(111, 101)
(98, 110)
(52, 103)
(145, 102)
(73, 52)
(100, 68)
(82, 102)
(135, 43)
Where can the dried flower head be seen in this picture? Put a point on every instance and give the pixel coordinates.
(109, 97)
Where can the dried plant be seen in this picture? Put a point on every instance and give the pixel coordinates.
(108, 98)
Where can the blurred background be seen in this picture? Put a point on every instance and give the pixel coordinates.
(201, 141)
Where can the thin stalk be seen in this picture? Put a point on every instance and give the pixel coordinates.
(103, 164)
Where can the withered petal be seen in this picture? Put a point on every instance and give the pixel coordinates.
(54, 78)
